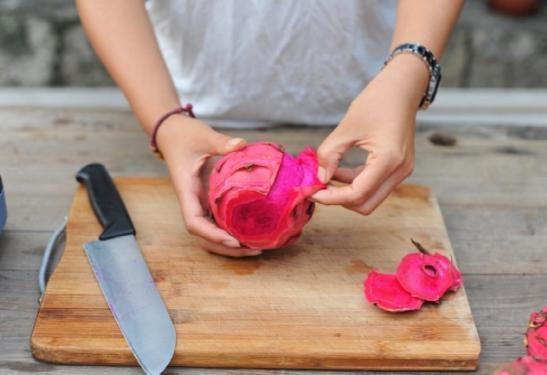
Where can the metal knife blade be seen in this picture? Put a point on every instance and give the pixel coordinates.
(124, 278)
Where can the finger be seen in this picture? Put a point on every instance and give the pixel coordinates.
(381, 193)
(228, 251)
(202, 227)
(195, 216)
(221, 144)
(330, 152)
(346, 175)
(376, 171)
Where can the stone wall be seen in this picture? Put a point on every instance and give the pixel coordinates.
(491, 50)
(42, 44)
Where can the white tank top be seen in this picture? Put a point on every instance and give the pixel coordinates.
(248, 63)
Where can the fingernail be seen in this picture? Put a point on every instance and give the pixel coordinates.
(231, 243)
(313, 198)
(254, 252)
(322, 175)
(234, 142)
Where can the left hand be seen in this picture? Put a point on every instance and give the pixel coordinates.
(380, 120)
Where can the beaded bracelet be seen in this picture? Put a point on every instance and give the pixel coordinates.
(187, 109)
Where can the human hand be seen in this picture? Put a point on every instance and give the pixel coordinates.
(187, 145)
(380, 120)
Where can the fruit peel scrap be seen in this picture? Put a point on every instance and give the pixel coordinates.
(427, 276)
(523, 366)
(536, 335)
(420, 276)
(384, 291)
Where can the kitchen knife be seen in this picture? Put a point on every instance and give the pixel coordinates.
(123, 275)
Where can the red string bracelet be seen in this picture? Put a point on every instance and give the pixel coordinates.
(187, 109)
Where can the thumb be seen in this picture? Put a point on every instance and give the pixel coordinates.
(329, 154)
(222, 144)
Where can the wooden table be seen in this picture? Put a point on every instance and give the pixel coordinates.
(492, 188)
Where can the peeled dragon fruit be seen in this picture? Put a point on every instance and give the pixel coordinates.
(259, 194)
(536, 335)
(420, 277)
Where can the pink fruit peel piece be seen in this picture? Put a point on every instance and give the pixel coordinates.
(457, 277)
(427, 277)
(264, 159)
(385, 291)
(421, 275)
(523, 366)
(536, 335)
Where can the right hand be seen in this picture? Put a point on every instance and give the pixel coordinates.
(186, 145)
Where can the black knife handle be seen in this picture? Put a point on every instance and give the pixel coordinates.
(106, 201)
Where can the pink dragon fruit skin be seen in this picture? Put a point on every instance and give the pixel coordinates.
(523, 366)
(385, 292)
(536, 335)
(420, 277)
(259, 194)
(456, 275)
(428, 277)
(534, 367)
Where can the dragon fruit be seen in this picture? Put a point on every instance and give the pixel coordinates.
(259, 194)
(420, 277)
(536, 335)
(428, 276)
(523, 366)
(384, 291)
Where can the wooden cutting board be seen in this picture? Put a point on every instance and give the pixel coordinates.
(300, 307)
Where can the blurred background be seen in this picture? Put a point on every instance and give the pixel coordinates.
(44, 45)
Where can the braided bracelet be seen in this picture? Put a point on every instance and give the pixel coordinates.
(187, 109)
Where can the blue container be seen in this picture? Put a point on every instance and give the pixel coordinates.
(3, 209)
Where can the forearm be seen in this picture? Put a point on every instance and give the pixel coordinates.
(429, 22)
(122, 35)
(382, 118)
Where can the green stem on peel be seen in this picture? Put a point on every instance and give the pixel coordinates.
(420, 247)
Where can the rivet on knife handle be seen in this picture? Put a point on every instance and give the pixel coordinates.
(106, 201)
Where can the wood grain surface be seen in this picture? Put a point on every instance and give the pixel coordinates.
(299, 307)
(490, 186)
